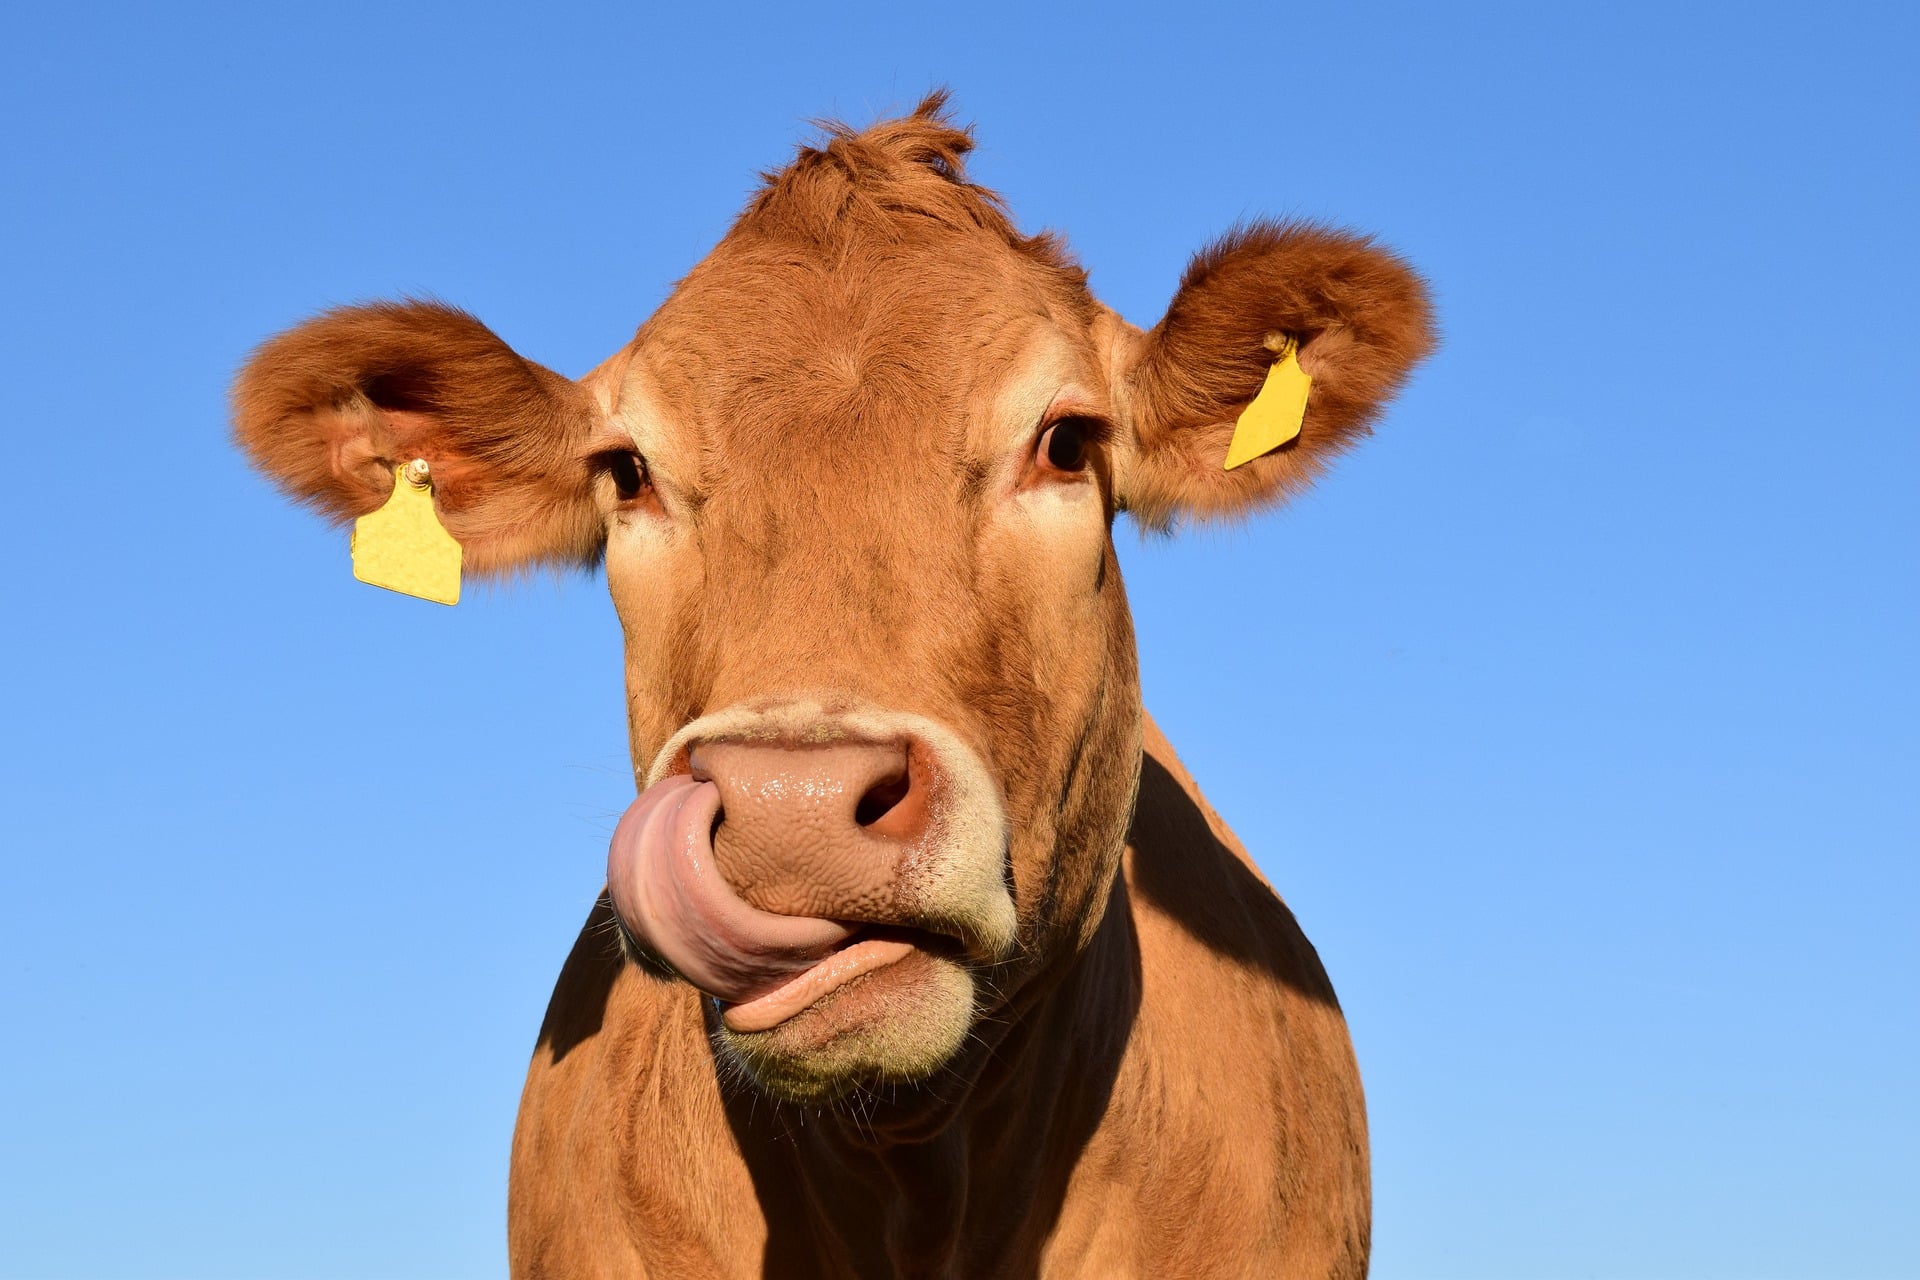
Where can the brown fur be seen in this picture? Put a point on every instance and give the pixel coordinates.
(840, 407)
(1361, 318)
(330, 408)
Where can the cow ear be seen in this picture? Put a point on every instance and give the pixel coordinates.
(1361, 319)
(328, 410)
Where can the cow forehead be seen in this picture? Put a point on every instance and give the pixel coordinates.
(924, 354)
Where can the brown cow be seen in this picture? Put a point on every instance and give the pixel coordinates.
(988, 989)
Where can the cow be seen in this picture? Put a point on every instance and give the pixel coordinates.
(921, 954)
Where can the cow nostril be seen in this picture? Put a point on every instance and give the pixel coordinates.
(881, 797)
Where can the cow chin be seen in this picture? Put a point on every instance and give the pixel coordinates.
(898, 1024)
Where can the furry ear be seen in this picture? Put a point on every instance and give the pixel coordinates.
(328, 409)
(1362, 320)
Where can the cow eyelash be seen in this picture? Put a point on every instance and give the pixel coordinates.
(627, 470)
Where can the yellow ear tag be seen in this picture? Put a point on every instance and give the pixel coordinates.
(1274, 416)
(403, 546)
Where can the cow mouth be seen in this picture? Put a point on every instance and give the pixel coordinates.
(870, 949)
(764, 968)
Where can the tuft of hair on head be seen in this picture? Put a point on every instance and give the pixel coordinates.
(904, 171)
(928, 136)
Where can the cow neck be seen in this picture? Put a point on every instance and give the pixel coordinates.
(972, 1157)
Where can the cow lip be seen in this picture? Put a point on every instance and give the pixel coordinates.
(923, 937)
(867, 950)
(920, 937)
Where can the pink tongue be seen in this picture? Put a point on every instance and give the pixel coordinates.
(668, 892)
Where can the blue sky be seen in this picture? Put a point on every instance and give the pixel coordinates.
(1575, 715)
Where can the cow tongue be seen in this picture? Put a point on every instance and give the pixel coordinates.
(670, 895)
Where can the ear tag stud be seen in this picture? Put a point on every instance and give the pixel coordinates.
(403, 546)
(1275, 415)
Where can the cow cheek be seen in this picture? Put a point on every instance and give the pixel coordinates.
(1092, 793)
(1052, 542)
(1100, 806)
(1051, 547)
(654, 575)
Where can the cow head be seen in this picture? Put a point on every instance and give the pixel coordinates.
(854, 486)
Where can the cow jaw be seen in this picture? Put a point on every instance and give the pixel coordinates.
(864, 976)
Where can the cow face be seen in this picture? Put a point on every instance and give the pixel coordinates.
(854, 487)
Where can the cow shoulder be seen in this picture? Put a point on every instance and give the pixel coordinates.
(600, 1184)
(1241, 1099)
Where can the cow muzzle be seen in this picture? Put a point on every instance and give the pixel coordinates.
(824, 878)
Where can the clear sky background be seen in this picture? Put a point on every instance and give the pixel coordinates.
(1575, 715)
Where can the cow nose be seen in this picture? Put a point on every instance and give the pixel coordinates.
(816, 830)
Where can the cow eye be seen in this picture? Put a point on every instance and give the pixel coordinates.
(628, 471)
(1063, 446)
